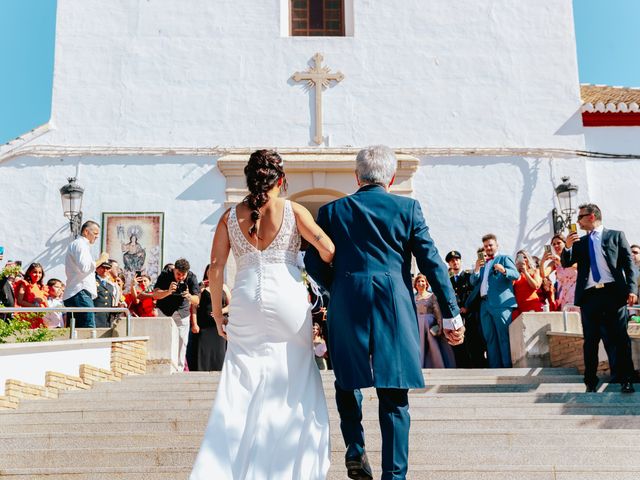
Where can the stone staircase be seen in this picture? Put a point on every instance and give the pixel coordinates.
(525, 424)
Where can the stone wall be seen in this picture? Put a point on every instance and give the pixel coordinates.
(566, 351)
(128, 357)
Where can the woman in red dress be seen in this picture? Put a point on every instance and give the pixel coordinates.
(526, 287)
(32, 292)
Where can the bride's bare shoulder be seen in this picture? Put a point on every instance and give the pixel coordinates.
(299, 209)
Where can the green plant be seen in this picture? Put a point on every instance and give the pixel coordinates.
(10, 271)
(18, 330)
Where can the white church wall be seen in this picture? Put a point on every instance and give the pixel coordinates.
(619, 140)
(189, 190)
(613, 186)
(470, 73)
(464, 198)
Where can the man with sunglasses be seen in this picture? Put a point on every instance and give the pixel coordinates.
(605, 286)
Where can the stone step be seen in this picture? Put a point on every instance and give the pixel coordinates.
(328, 377)
(480, 386)
(424, 439)
(337, 472)
(445, 372)
(420, 407)
(548, 423)
(441, 456)
(506, 398)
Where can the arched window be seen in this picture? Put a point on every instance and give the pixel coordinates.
(317, 18)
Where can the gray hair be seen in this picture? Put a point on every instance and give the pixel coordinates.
(376, 164)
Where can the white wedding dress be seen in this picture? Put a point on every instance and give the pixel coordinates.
(269, 420)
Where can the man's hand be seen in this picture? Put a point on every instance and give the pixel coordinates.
(498, 267)
(454, 337)
(479, 264)
(173, 287)
(571, 239)
(632, 299)
(463, 310)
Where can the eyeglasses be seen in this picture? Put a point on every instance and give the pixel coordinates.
(583, 215)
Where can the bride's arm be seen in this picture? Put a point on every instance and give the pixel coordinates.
(312, 233)
(219, 254)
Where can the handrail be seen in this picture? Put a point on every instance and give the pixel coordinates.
(72, 322)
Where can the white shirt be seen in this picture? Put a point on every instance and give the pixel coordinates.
(80, 269)
(601, 262)
(54, 319)
(452, 323)
(484, 286)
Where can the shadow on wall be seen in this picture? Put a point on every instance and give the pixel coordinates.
(55, 249)
(573, 125)
(530, 172)
(205, 188)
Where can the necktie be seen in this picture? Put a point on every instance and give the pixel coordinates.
(595, 273)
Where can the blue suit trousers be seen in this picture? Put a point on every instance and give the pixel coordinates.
(495, 328)
(393, 413)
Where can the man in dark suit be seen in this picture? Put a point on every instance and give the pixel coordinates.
(471, 353)
(606, 284)
(373, 328)
(105, 296)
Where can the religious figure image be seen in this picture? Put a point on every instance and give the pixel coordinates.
(135, 240)
(133, 254)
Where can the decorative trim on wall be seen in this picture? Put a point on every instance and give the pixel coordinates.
(313, 171)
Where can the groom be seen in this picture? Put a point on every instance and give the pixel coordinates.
(373, 330)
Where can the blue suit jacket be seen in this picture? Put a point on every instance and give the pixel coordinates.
(500, 295)
(372, 311)
(616, 252)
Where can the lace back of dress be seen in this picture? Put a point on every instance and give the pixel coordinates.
(283, 248)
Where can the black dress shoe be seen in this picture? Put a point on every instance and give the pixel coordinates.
(591, 389)
(627, 387)
(358, 467)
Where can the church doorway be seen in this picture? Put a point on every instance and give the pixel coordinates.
(315, 198)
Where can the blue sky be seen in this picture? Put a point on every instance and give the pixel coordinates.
(27, 30)
(608, 42)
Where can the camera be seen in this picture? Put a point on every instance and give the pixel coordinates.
(181, 288)
(547, 249)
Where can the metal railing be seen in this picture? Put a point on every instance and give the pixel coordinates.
(72, 319)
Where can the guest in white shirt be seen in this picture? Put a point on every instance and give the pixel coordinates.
(54, 299)
(80, 269)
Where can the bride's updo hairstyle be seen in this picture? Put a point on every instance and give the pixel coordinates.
(263, 172)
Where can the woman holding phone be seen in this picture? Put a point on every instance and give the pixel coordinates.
(565, 277)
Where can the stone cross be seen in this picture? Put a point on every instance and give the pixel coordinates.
(319, 77)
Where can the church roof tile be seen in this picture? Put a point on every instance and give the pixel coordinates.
(608, 99)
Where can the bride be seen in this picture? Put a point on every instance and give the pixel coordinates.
(269, 420)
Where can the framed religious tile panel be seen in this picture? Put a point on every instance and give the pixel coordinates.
(135, 240)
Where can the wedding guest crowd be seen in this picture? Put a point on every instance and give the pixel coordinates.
(596, 274)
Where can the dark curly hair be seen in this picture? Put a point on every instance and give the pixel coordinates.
(263, 172)
(32, 267)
